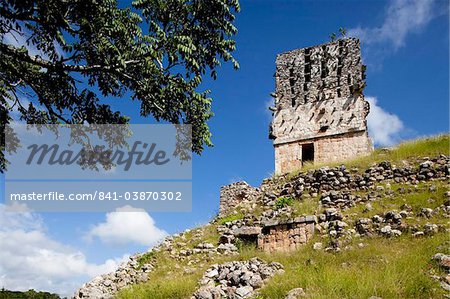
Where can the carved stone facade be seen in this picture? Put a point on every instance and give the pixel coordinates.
(320, 111)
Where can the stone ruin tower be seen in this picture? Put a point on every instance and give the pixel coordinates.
(320, 111)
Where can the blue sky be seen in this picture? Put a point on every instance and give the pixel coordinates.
(406, 48)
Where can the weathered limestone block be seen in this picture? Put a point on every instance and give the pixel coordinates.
(287, 235)
(247, 231)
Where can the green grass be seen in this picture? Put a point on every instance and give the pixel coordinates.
(382, 268)
(431, 147)
(165, 281)
(146, 258)
(162, 288)
(306, 206)
(283, 201)
(210, 234)
(229, 218)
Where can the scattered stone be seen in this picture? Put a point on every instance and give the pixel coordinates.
(227, 249)
(419, 234)
(244, 292)
(426, 212)
(317, 246)
(445, 286)
(377, 219)
(226, 238)
(238, 279)
(443, 260)
(363, 226)
(396, 233)
(295, 294)
(403, 213)
(205, 245)
(406, 207)
(386, 230)
(430, 229)
(389, 232)
(392, 217)
(368, 207)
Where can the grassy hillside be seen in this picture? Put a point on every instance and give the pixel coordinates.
(365, 266)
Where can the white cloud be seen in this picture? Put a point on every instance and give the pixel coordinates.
(402, 18)
(128, 225)
(269, 103)
(31, 259)
(384, 127)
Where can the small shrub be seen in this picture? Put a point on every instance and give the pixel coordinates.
(146, 258)
(283, 202)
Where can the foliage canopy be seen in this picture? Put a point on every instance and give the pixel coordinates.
(60, 59)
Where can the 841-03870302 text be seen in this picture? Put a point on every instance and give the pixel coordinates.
(98, 195)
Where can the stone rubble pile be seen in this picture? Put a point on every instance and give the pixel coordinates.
(237, 279)
(443, 260)
(107, 285)
(132, 272)
(241, 193)
(339, 199)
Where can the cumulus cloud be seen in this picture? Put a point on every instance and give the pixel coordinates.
(385, 128)
(128, 225)
(31, 259)
(402, 18)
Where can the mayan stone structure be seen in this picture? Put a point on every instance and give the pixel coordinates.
(320, 111)
(288, 235)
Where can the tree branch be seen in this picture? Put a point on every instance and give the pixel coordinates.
(36, 60)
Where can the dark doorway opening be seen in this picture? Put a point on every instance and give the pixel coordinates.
(308, 152)
(249, 241)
